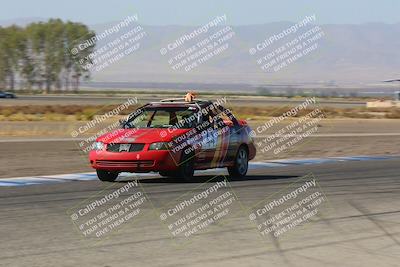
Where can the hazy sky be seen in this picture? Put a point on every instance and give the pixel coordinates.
(190, 12)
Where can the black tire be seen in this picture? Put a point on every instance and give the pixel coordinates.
(167, 174)
(186, 167)
(239, 169)
(107, 176)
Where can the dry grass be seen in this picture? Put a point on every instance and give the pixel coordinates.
(56, 112)
(85, 113)
(393, 114)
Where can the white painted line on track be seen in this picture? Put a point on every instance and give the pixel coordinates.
(91, 176)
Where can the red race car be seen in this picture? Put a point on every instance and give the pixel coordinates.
(175, 137)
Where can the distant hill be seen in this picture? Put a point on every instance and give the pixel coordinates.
(354, 54)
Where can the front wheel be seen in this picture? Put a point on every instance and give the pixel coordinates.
(186, 167)
(241, 165)
(107, 176)
(167, 174)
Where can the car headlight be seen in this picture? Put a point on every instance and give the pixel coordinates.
(159, 146)
(98, 146)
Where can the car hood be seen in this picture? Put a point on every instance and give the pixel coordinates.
(147, 135)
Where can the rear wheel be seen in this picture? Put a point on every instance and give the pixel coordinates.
(239, 169)
(107, 176)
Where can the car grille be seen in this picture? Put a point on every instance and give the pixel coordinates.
(125, 163)
(133, 147)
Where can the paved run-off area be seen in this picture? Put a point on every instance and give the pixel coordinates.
(358, 225)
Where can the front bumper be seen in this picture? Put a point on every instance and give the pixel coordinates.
(143, 161)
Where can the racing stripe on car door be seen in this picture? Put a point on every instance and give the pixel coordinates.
(225, 144)
(221, 148)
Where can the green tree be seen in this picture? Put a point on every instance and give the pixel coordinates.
(9, 47)
(78, 33)
(3, 67)
(39, 55)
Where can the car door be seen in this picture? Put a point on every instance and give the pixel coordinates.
(204, 142)
(219, 140)
(233, 137)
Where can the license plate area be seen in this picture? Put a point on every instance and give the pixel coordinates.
(136, 147)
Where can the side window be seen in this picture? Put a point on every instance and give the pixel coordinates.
(226, 118)
(219, 119)
(209, 119)
(186, 119)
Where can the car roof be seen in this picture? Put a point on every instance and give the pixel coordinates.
(180, 102)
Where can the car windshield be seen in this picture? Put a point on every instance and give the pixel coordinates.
(165, 117)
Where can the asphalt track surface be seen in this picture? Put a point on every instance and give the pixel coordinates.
(357, 226)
